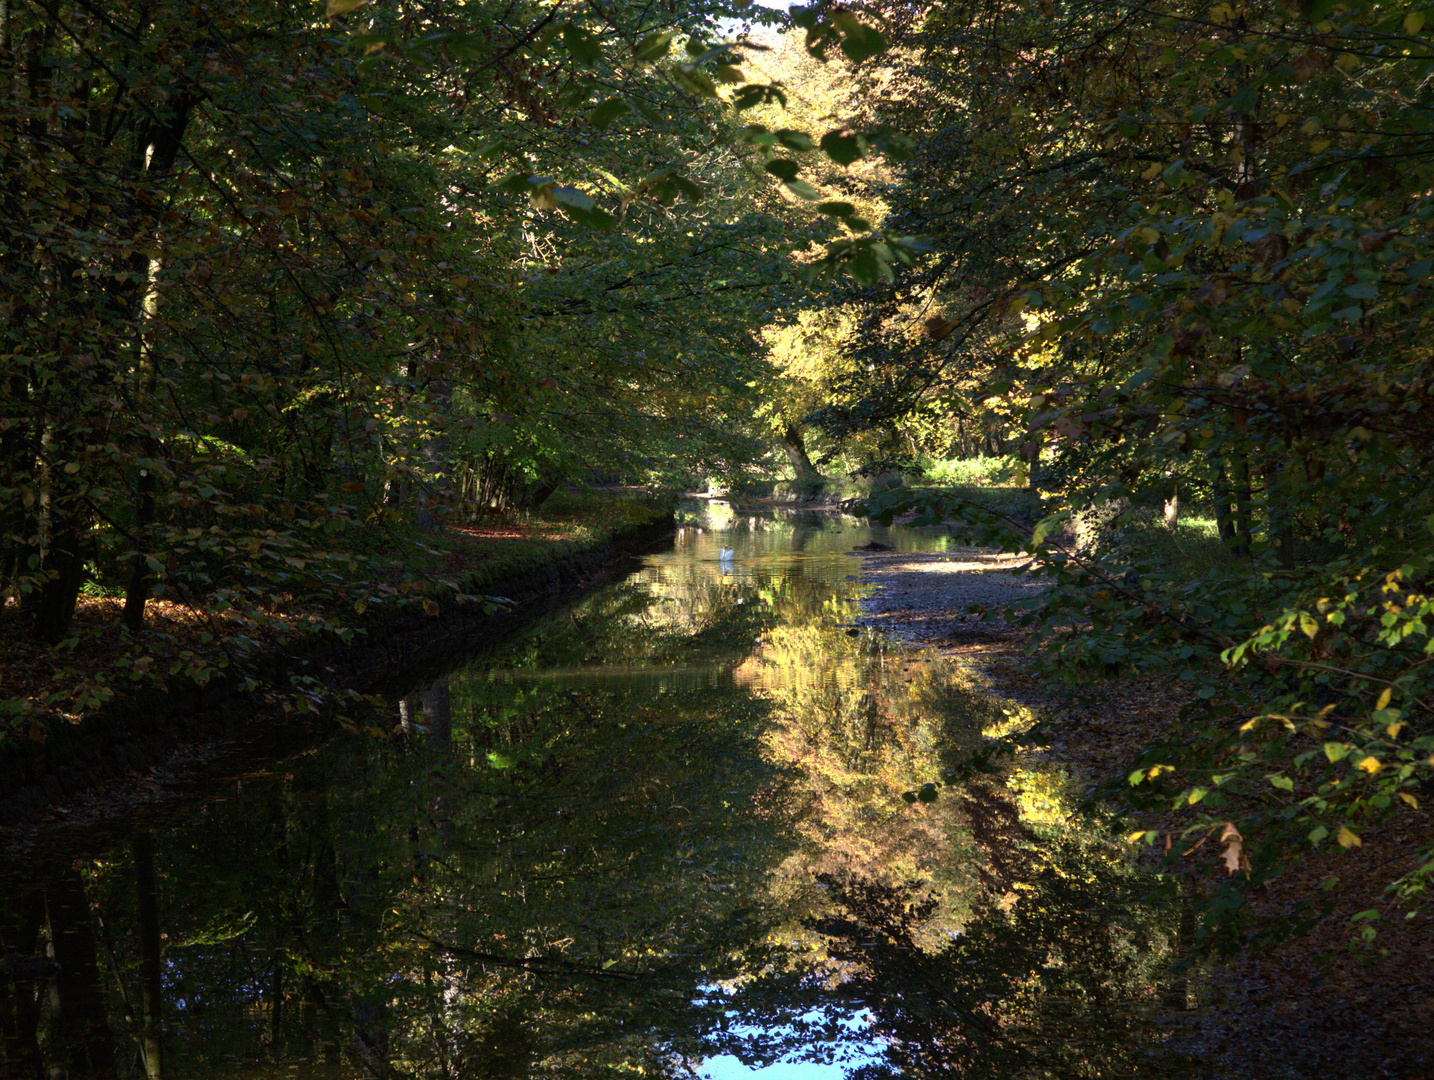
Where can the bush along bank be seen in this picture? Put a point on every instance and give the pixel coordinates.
(293, 689)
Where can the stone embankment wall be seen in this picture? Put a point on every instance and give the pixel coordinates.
(393, 655)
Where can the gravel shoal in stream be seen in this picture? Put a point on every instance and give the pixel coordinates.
(926, 598)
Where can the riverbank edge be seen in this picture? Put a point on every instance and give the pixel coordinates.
(141, 730)
(1244, 1008)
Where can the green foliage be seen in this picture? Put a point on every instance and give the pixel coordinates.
(977, 472)
(1186, 251)
(272, 316)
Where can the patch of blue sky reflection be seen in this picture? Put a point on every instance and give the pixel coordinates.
(728, 1067)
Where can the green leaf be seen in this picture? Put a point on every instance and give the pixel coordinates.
(859, 42)
(582, 44)
(802, 190)
(520, 183)
(693, 190)
(653, 47)
(1245, 100)
(608, 111)
(1046, 526)
(841, 147)
(836, 209)
(794, 140)
(571, 196)
(757, 94)
(592, 217)
(694, 81)
(334, 8)
(783, 168)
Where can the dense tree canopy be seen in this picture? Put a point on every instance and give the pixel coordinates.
(277, 279)
(1186, 247)
(284, 285)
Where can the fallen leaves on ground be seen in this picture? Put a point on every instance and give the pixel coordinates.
(100, 660)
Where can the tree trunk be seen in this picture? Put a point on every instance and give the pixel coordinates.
(435, 461)
(20, 1018)
(407, 715)
(81, 1032)
(137, 591)
(1172, 510)
(17, 475)
(796, 448)
(1224, 519)
(276, 1007)
(1244, 528)
(1177, 991)
(150, 981)
(63, 564)
(369, 1021)
(539, 491)
(437, 711)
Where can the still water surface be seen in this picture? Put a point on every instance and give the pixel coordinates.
(660, 833)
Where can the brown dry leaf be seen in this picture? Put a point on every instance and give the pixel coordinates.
(1234, 854)
(938, 327)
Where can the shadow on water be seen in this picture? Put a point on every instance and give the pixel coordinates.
(662, 832)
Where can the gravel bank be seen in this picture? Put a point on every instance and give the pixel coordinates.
(926, 599)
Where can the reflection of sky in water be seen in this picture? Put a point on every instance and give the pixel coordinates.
(729, 1067)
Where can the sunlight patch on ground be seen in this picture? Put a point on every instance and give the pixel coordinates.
(952, 566)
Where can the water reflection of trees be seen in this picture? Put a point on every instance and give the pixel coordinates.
(1056, 978)
(684, 783)
(974, 940)
(539, 882)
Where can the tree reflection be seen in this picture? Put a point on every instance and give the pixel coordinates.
(1055, 979)
(56, 1019)
(672, 808)
(972, 936)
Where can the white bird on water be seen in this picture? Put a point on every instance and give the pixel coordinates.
(725, 555)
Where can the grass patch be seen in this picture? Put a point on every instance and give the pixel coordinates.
(1190, 551)
(830, 488)
(1193, 548)
(969, 472)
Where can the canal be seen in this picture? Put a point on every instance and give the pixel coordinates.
(660, 833)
